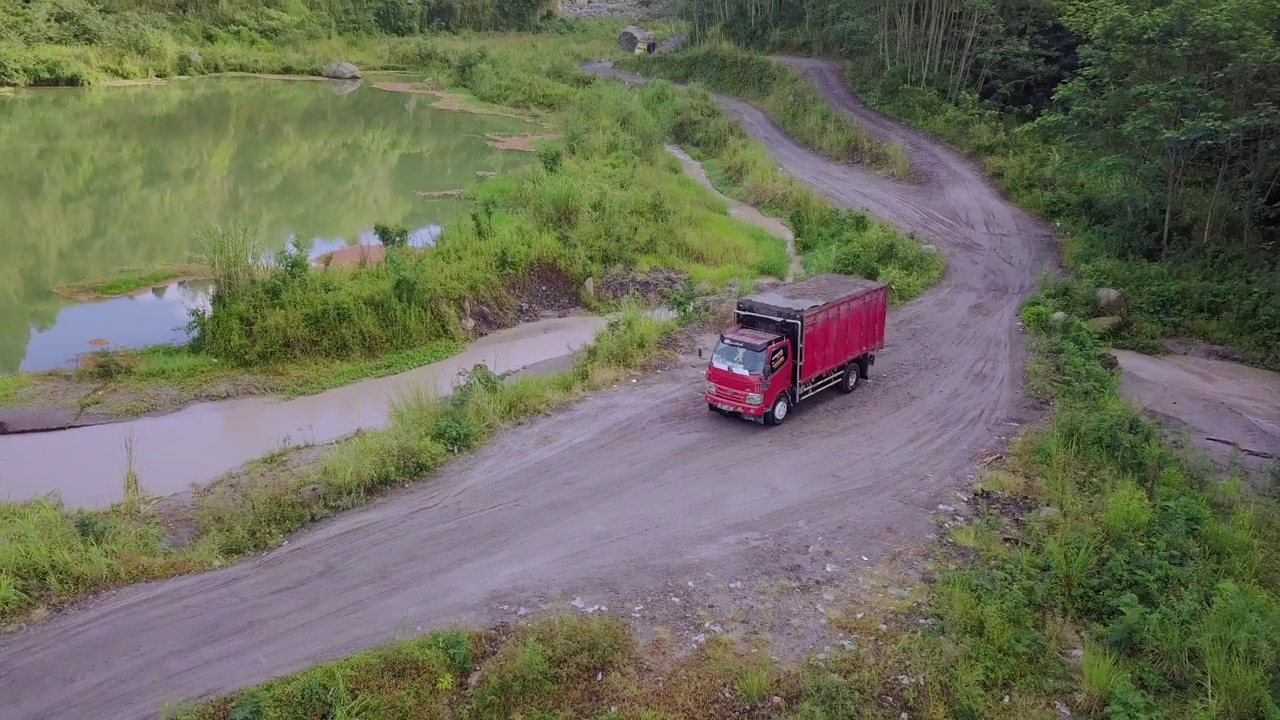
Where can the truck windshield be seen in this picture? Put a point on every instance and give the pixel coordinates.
(738, 359)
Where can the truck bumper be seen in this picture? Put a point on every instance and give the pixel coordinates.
(729, 406)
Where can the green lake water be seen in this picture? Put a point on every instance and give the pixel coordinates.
(98, 179)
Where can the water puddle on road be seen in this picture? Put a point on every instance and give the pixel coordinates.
(86, 465)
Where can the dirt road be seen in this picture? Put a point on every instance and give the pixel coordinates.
(626, 494)
(1224, 407)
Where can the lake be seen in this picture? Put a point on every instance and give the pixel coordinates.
(100, 179)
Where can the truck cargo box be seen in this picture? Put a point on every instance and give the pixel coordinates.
(831, 319)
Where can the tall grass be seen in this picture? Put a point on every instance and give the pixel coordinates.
(784, 95)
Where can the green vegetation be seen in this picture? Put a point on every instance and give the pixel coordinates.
(1223, 293)
(51, 555)
(1146, 132)
(10, 385)
(830, 239)
(141, 170)
(194, 375)
(1143, 588)
(83, 42)
(1160, 565)
(125, 281)
(783, 94)
(606, 197)
(556, 668)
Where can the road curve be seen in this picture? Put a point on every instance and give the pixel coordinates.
(629, 491)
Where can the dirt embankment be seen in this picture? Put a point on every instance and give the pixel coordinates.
(637, 502)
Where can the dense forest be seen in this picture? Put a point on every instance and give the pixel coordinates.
(1148, 129)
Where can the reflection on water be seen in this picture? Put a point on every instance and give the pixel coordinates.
(150, 317)
(98, 179)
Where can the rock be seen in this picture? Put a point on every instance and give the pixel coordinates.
(468, 324)
(1108, 361)
(475, 678)
(631, 37)
(1110, 301)
(703, 288)
(1102, 325)
(1048, 513)
(1058, 318)
(589, 287)
(310, 494)
(339, 70)
(929, 248)
(194, 58)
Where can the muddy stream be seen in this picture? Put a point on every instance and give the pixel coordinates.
(86, 465)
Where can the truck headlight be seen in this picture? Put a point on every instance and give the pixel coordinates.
(755, 399)
(711, 388)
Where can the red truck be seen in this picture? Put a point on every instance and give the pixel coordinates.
(792, 341)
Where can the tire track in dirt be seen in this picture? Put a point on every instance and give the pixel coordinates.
(629, 492)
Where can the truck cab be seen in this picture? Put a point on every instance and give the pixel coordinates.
(748, 370)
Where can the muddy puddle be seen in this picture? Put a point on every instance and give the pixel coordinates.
(200, 443)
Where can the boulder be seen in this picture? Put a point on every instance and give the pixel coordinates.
(1058, 318)
(1108, 361)
(1102, 325)
(630, 37)
(339, 70)
(1109, 301)
(589, 287)
(194, 58)
(929, 248)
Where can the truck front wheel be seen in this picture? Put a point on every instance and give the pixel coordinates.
(781, 408)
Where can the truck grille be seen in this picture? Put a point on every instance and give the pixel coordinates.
(728, 394)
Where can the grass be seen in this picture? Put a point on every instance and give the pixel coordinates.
(10, 385)
(193, 375)
(783, 94)
(559, 667)
(125, 281)
(52, 555)
(1220, 295)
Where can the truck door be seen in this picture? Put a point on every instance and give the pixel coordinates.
(779, 371)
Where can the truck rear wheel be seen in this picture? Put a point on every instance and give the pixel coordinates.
(852, 372)
(781, 408)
